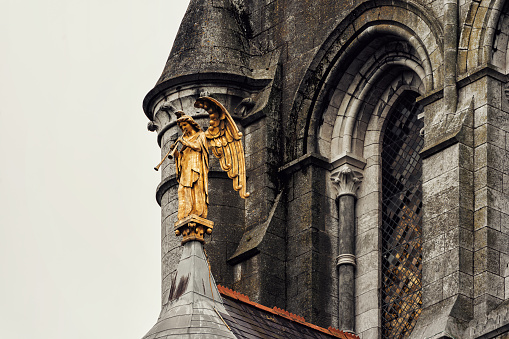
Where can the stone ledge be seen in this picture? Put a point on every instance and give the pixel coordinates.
(480, 72)
(305, 161)
(348, 159)
(218, 78)
(251, 240)
(449, 132)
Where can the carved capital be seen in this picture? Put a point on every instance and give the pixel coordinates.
(193, 228)
(346, 181)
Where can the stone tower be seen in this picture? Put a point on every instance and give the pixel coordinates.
(377, 159)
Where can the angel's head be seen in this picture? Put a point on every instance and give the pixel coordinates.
(187, 124)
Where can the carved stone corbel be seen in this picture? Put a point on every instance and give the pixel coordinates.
(245, 106)
(152, 126)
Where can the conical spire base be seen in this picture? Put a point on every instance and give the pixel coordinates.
(194, 305)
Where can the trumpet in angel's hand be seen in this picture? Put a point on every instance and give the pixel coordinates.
(170, 154)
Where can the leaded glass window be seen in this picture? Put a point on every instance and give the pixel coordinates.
(401, 218)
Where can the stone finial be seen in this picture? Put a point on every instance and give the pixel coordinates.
(346, 181)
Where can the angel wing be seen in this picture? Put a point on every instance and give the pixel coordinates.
(225, 142)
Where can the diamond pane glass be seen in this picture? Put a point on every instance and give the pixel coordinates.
(401, 218)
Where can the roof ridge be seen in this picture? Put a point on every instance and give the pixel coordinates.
(288, 314)
(225, 291)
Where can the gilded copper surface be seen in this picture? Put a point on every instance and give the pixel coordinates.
(193, 228)
(223, 138)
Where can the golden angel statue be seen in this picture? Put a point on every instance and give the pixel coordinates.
(192, 161)
(192, 167)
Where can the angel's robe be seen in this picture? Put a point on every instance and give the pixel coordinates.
(192, 164)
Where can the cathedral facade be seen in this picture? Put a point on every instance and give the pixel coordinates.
(376, 136)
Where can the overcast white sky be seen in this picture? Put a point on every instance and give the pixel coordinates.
(79, 224)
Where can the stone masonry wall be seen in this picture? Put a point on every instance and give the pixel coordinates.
(465, 233)
(491, 229)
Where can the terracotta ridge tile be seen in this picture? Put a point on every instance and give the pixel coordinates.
(225, 291)
(232, 293)
(346, 335)
(289, 315)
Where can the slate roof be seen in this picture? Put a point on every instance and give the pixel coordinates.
(210, 39)
(248, 319)
(195, 309)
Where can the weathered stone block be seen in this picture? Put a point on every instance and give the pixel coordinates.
(366, 301)
(498, 240)
(458, 259)
(450, 285)
(486, 259)
(435, 205)
(484, 304)
(441, 183)
(504, 265)
(466, 194)
(440, 163)
(463, 308)
(496, 136)
(367, 242)
(367, 221)
(432, 270)
(367, 282)
(480, 135)
(458, 283)
(432, 293)
(366, 203)
(367, 263)
(466, 151)
(481, 238)
(432, 228)
(481, 218)
(367, 320)
(489, 283)
(494, 93)
(466, 261)
(506, 288)
(481, 115)
(458, 237)
(481, 198)
(433, 247)
(480, 156)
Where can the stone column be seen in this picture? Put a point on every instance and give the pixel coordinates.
(347, 182)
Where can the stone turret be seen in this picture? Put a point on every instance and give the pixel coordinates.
(213, 55)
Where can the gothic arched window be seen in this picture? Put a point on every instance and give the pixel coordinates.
(401, 218)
